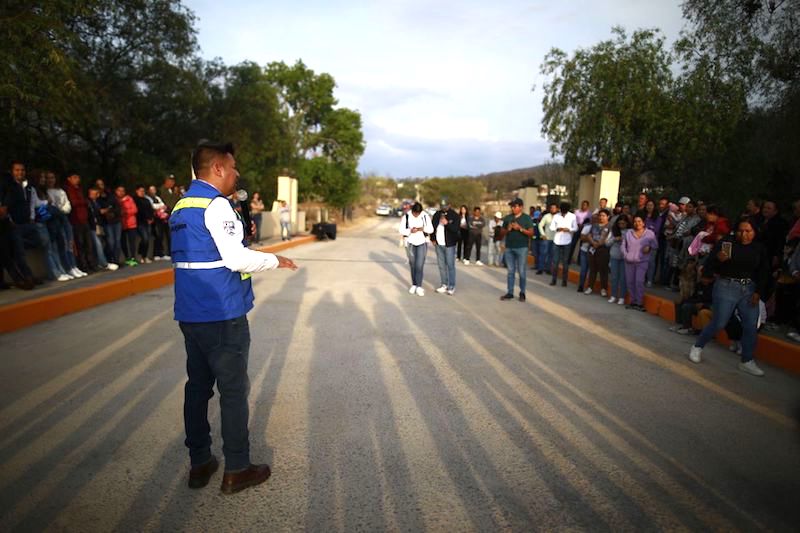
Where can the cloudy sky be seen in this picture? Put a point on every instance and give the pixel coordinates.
(443, 86)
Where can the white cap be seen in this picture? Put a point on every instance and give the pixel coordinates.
(498, 214)
(684, 200)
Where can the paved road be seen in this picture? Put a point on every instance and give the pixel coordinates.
(384, 411)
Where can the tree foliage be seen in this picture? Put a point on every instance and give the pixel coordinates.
(116, 89)
(458, 191)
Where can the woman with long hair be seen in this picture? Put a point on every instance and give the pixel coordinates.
(42, 214)
(463, 234)
(742, 268)
(416, 226)
(616, 262)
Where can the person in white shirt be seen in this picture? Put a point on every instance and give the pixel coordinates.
(415, 227)
(564, 224)
(286, 221)
(546, 236)
(496, 240)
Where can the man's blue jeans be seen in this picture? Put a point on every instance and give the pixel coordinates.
(446, 258)
(417, 262)
(536, 251)
(114, 241)
(561, 256)
(727, 296)
(546, 249)
(516, 259)
(617, 278)
(217, 352)
(98, 249)
(35, 235)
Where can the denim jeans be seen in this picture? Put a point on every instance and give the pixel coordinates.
(114, 241)
(417, 262)
(727, 296)
(536, 246)
(286, 232)
(446, 258)
(62, 240)
(561, 256)
(143, 230)
(583, 261)
(546, 249)
(98, 248)
(516, 261)
(217, 352)
(617, 278)
(35, 236)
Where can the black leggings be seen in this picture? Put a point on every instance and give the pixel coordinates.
(463, 243)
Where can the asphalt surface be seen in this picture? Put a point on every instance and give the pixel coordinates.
(379, 410)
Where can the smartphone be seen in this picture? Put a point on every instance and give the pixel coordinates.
(727, 248)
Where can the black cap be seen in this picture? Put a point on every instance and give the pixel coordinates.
(516, 201)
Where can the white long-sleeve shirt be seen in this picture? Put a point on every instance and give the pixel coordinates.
(228, 232)
(58, 197)
(560, 221)
(422, 221)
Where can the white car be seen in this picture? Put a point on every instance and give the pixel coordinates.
(383, 210)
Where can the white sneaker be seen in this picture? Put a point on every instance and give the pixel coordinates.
(603, 293)
(166, 258)
(479, 263)
(64, 277)
(466, 261)
(112, 266)
(694, 354)
(733, 346)
(751, 368)
(588, 290)
(420, 291)
(450, 291)
(75, 273)
(621, 301)
(147, 260)
(612, 300)
(157, 258)
(442, 289)
(412, 290)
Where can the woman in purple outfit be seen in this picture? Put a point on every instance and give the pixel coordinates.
(637, 247)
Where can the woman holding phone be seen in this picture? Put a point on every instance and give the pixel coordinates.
(416, 226)
(742, 269)
(637, 245)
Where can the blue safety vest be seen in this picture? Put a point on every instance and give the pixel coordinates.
(205, 290)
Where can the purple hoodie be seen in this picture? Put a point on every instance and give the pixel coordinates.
(632, 247)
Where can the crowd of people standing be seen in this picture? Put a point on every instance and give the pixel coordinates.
(744, 271)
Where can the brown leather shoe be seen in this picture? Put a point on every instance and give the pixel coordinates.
(201, 474)
(253, 475)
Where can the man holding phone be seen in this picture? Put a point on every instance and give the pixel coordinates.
(517, 230)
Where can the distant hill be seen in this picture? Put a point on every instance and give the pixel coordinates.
(508, 180)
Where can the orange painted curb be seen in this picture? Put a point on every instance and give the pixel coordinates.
(23, 314)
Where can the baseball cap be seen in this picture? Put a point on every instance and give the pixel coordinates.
(684, 200)
(498, 214)
(444, 202)
(516, 201)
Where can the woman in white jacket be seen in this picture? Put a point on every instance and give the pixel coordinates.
(416, 225)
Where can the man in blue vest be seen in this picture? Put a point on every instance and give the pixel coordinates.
(213, 293)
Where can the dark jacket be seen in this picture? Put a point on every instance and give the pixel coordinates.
(451, 230)
(144, 213)
(108, 201)
(17, 200)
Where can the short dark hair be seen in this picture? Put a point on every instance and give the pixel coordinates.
(416, 208)
(139, 186)
(606, 211)
(564, 206)
(205, 153)
(713, 210)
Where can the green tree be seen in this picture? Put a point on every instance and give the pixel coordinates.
(458, 191)
(610, 103)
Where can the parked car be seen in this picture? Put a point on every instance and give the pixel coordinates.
(383, 210)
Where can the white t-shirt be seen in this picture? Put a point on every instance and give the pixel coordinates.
(568, 221)
(409, 221)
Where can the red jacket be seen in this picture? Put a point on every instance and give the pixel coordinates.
(128, 212)
(717, 230)
(80, 206)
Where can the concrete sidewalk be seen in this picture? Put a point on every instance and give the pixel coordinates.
(20, 309)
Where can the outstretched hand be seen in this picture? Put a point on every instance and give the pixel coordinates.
(285, 262)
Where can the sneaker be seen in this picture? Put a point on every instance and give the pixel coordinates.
(64, 277)
(166, 258)
(694, 354)
(684, 331)
(75, 273)
(147, 260)
(131, 262)
(751, 368)
(466, 261)
(612, 300)
(507, 296)
(649, 284)
(603, 293)
(479, 263)
(442, 289)
(553, 282)
(733, 346)
(522, 297)
(795, 336)
(420, 291)
(450, 291)
(588, 290)
(157, 258)
(621, 301)
(412, 290)
(112, 267)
